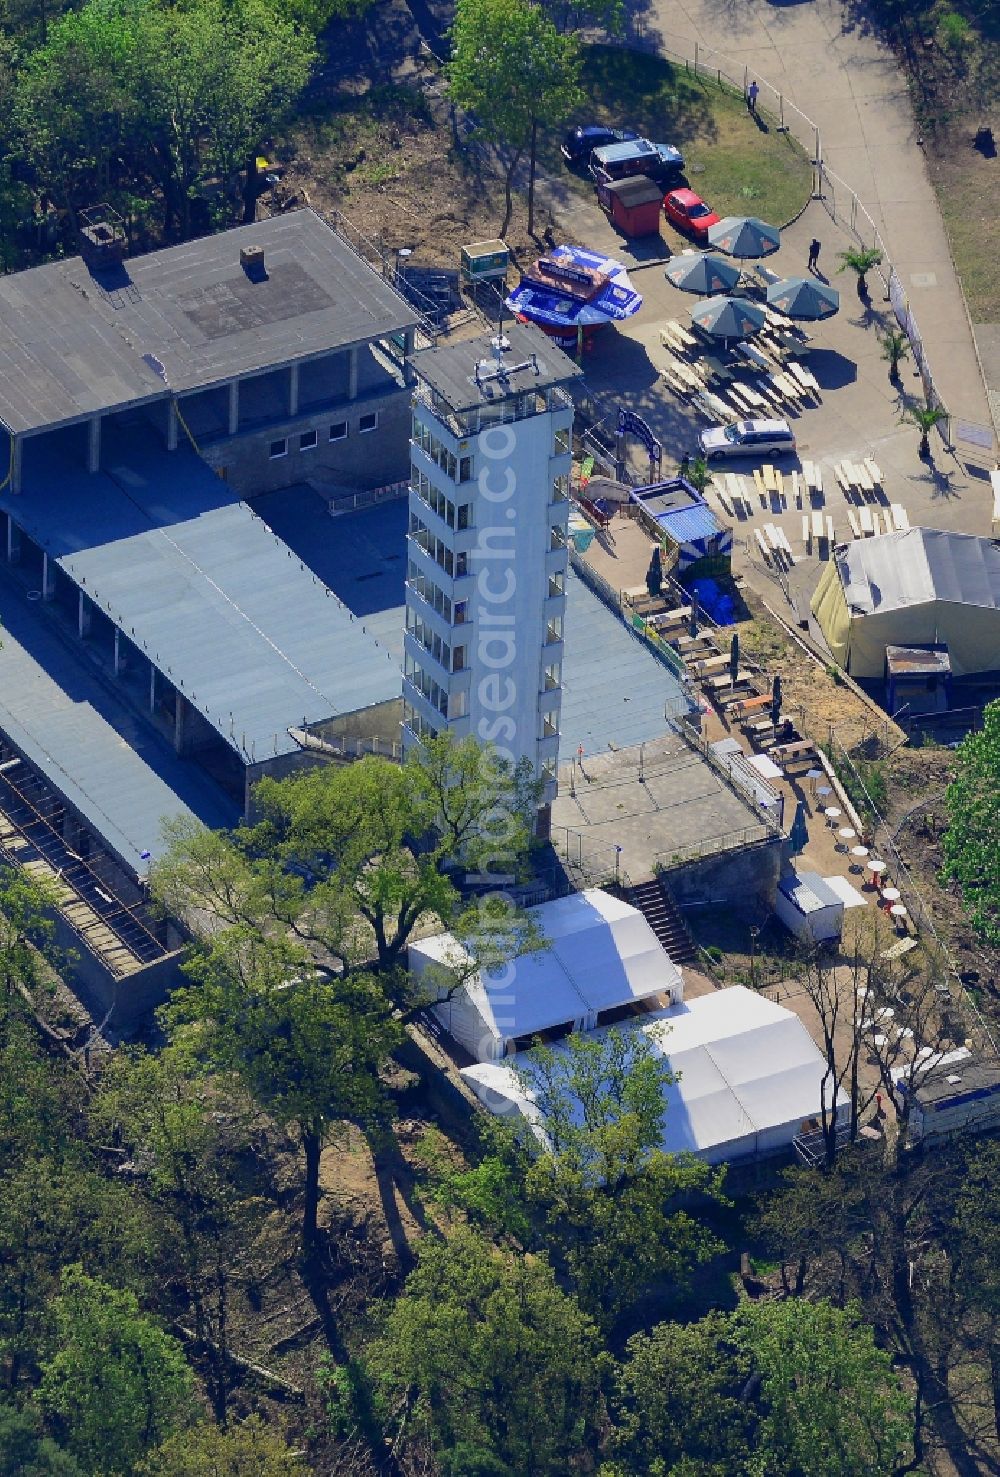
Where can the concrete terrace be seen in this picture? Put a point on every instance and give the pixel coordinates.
(615, 692)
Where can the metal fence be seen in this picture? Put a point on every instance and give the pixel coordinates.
(665, 861)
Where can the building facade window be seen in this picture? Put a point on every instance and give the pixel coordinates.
(457, 468)
(560, 489)
(457, 516)
(557, 584)
(428, 638)
(453, 562)
(338, 431)
(417, 723)
(308, 441)
(368, 422)
(557, 537)
(561, 442)
(552, 676)
(429, 591)
(554, 630)
(278, 449)
(425, 684)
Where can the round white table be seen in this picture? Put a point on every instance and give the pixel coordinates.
(899, 914)
(832, 814)
(875, 870)
(845, 835)
(859, 854)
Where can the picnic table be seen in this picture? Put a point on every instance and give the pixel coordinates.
(900, 521)
(817, 526)
(865, 520)
(874, 471)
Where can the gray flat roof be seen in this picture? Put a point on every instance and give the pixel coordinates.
(120, 776)
(615, 691)
(256, 643)
(74, 342)
(451, 371)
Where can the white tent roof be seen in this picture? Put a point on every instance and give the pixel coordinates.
(748, 1075)
(918, 567)
(601, 953)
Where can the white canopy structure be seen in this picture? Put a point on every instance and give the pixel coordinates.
(748, 1076)
(924, 587)
(600, 955)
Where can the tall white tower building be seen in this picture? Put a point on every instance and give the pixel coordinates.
(487, 548)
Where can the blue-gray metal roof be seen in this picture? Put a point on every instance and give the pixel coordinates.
(254, 641)
(118, 773)
(689, 525)
(615, 690)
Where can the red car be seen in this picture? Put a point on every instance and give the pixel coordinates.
(688, 212)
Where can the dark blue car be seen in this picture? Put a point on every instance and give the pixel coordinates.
(580, 142)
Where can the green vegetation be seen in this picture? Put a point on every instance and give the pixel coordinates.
(972, 841)
(925, 418)
(514, 72)
(174, 1246)
(860, 261)
(895, 348)
(739, 169)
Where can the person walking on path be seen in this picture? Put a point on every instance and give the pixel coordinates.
(814, 249)
(752, 92)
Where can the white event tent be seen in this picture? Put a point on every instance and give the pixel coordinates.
(748, 1076)
(599, 955)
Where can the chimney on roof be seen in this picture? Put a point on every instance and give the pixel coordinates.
(252, 262)
(102, 238)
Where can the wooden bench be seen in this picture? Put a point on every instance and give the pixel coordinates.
(865, 519)
(900, 520)
(761, 489)
(806, 538)
(762, 545)
(817, 526)
(874, 471)
(829, 531)
(852, 520)
(800, 752)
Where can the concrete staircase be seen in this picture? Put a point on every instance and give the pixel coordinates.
(666, 920)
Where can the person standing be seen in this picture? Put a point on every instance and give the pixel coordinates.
(752, 92)
(814, 249)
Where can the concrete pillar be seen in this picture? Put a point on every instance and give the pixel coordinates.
(409, 343)
(352, 374)
(118, 655)
(293, 389)
(180, 726)
(13, 541)
(94, 444)
(17, 448)
(152, 687)
(172, 425)
(234, 407)
(83, 616)
(48, 581)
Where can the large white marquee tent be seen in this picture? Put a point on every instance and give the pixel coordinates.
(599, 955)
(748, 1076)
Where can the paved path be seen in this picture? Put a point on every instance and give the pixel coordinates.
(848, 83)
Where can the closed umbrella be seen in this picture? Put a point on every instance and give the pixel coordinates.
(744, 235)
(798, 836)
(728, 317)
(702, 273)
(803, 297)
(776, 700)
(734, 658)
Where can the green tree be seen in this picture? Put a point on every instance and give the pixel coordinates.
(895, 348)
(832, 1405)
(115, 1384)
(349, 860)
(308, 1050)
(788, 1387)
(54, 1211)
(974, 1246)
(599, 1194)
(512, 70)
(187, 1130)
(925, 418)
(860, 261)
(27, 1450)
(488, 1362)
(972, 841)
(249, 1449)
(678, 1398)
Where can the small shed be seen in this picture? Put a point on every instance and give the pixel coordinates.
(485, 261)
(918, 678)
(676, 509)
(633, 204)
(808, 907)
(951, 1092)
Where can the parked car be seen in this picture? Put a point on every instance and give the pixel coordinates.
(660, 162)
(688, 212)
(747, 438)
(580, 142)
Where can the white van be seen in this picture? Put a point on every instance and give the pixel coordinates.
(747, 438)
